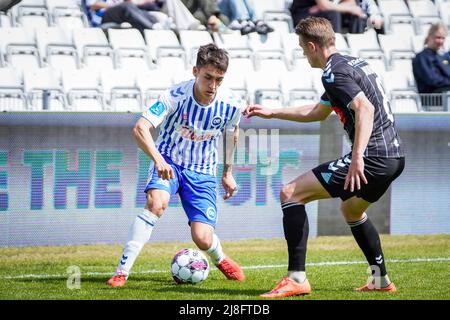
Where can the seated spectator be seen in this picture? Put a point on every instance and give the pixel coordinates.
(241, 13)
(300, 9)
(142, 16)
(431, 66)
(208, 12)
(372, 18)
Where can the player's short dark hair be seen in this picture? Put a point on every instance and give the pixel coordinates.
(210, 54)
(318, 30)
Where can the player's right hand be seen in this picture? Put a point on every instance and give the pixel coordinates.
(257, 110)
(164, 169)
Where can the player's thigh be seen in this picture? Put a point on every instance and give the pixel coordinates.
(304, 189)
(157, 201)
(353, 208)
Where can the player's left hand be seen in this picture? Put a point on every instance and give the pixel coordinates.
(229, 185)
(355, 174)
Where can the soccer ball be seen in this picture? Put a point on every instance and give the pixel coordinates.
(189, 266)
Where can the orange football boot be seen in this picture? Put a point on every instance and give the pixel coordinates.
(231, 269)
(117, 280)
(371, 287)
(288, 287)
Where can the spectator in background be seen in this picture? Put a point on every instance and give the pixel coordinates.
(241, 13)
(301, 9)
(372, 18)
(208, 12)
(140, 16)
(431, 66)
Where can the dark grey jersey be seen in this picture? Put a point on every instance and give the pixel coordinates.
(344, 77)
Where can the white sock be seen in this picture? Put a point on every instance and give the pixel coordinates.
(216, 252)
(381, 282)
(138, 235)
(297, 276)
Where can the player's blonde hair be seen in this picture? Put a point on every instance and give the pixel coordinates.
(435, 27)
(317, 30)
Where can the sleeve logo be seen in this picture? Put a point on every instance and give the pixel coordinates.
(157, 108)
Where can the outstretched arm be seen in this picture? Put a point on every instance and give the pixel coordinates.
(228, 182)
(144, 139)
(307, 113)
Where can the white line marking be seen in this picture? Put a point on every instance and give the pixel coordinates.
(313, 264)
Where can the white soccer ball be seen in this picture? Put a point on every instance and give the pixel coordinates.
(189, 266)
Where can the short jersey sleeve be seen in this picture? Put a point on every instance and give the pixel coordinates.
(159, 110)
(239, 107)
(341, 87)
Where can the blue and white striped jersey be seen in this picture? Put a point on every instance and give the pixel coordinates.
(189, 132)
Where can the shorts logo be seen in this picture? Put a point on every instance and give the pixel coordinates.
(163, 182)
(211, 213)
(216, 121)
(157, 108)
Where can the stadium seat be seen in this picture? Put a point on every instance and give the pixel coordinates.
(5, 19)
(12, 95)
(44, 89)
(364, 44)
(424, 13)
(341, 44)
(291, 47)
(232, 40)
(130, 49)
(418, 42)
(93, 48)
(394, 11)
(270, 42)
(31, 14)
(82, 89)
(402, 25)
(403, 95)
(19, 48)
(67, 14)
(444, 11)
(403, 65)
(264, 87)
(57, 49)
(298, 89)
(191, 40)
(266, 9)
(121, 91)
(396, 46)
(152, 84)
(161, 42)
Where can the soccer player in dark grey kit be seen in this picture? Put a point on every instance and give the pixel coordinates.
(359, 178)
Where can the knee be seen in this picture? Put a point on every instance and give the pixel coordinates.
(350, 214)
(203, 242)
(157, 207)
(287, 192)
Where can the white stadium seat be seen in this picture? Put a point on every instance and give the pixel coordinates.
(121, 91)
(12, 95)
(82, 89)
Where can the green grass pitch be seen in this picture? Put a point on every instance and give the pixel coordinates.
(418, 265)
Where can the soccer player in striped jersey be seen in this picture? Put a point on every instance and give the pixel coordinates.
(359, 178)
(192, 117)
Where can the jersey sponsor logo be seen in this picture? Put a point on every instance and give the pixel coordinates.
(211, 213)
(194, 135)
(216, 121)
(157, 108)
(176, 92)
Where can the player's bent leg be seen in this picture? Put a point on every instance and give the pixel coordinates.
(204, 237)
(139, 234)
(303, 189)
(368, 239)
(294, 196)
